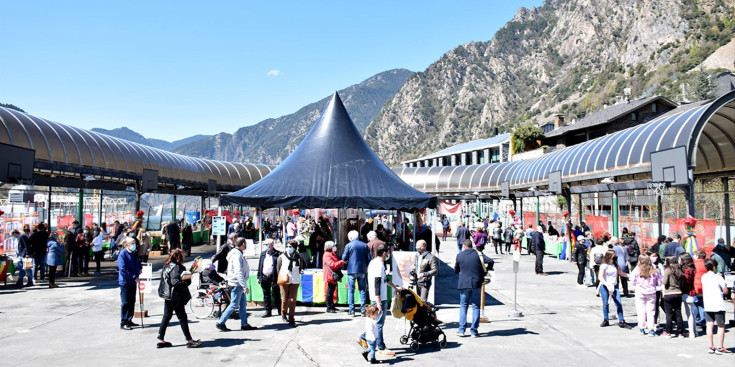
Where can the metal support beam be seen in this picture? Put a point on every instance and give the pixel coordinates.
(173, 215)
(538, 211)
(48, 210)
(690, 195)
(659, 203)
(80, 208)
(102, 194)
(615, 214)
(138, 194)
(580, 208)
(726, 219)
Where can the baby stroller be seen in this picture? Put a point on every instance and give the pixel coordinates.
(211, 292)
(424, 324)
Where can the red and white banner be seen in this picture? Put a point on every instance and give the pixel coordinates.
(448, 208)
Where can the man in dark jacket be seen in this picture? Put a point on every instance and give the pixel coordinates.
(22, 250)
(172, 236)
(221, 256)
(425, 269)
(128, 266)
(634, 250)
(38, 240)
(268, 276)
(580, 258)
(462, 234)
(187, 237)
(540, 248)
(471, 274)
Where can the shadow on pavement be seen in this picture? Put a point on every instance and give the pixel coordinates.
(323, 321)
(222, 342)
(509, 332)
(446, 292)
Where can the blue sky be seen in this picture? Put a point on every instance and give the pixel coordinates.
(172, 69)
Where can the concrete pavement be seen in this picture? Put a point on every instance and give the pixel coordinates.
(77, 324)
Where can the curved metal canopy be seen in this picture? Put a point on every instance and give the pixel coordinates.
(706, 129)
(63, 148)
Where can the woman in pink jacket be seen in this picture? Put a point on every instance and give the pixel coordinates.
(332, 267)
(645, 280)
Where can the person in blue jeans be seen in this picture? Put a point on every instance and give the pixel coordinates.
(357, 257)
(370, 335)
(608, 277)
(238, 272)
(22, 249)
(128, 267)
(378, 283)
(471, 274)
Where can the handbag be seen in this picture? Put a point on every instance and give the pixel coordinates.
(488, 277)
(396, 306)
(336, 275)
(284, 276)
(27, 263)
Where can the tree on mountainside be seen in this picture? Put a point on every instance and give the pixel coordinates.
(702, 86)
(526, 137)
(11, 106)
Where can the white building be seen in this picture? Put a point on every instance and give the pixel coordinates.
(481, 151)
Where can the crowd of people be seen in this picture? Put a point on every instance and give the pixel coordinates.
(76, 249)
(364, 264)
(666, 281)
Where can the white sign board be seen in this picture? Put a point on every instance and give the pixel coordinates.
(145, 286)
(219, 226)
(147, 272)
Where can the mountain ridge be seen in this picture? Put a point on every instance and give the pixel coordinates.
(567, 56)
(272, 140)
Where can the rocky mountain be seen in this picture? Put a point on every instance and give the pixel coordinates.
(566, 56)
(272, 140)
(130, 135)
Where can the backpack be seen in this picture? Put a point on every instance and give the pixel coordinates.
(164, 287)
(631, 250)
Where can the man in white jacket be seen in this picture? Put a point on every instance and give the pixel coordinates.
(238, 272)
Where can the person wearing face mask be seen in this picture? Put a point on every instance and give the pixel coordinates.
(289, 266)
(128, 266)
(267, 275)
(378, 283)
(425, 269)
(84, 238)
(98, 251)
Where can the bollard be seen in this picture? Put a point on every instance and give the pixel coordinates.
(483, 318)
(516, 266)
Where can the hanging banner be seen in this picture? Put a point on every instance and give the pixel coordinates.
(704, 230)
(448, 208)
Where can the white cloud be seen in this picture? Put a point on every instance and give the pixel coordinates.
(273, 72)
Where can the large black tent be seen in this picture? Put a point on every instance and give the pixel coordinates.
(333, 167)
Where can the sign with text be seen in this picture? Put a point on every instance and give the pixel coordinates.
(219, 225)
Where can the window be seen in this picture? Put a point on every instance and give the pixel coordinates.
(654, 109)
(494, 155)
(634, 116)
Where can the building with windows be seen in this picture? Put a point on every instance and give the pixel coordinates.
(481, 151)
(609, 120)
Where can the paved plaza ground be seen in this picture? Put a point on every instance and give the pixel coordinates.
(77, 324)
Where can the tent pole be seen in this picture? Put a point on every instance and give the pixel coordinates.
(433, 235)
